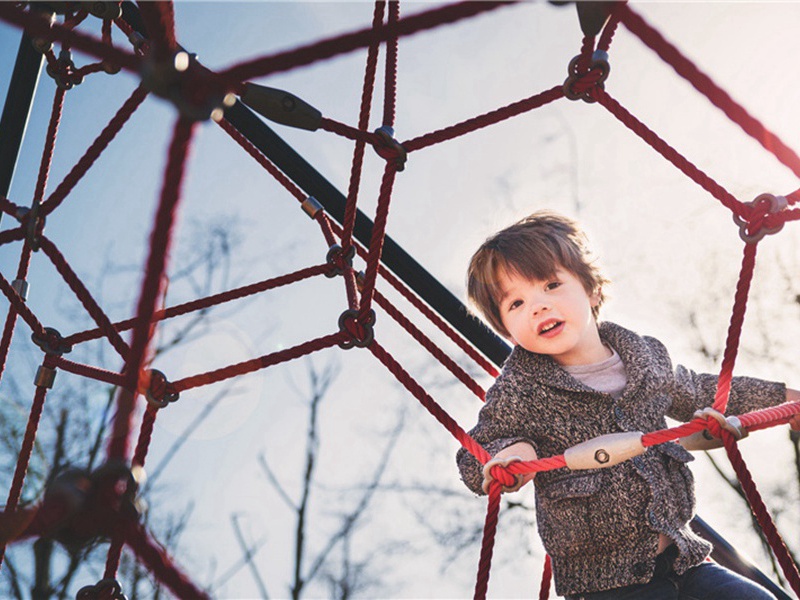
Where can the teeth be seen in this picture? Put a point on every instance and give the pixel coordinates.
(548, 328)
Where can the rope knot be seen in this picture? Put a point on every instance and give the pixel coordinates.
(63, 71)
(389, 148)
(583, 79)
(339, 259)
(157, 389)
(763, 218)
(194, 90)
(33, 223)
(497, 470)
(105, 589)
(51, 342)
(359, 326)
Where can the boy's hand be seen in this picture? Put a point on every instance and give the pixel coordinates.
(520, 451)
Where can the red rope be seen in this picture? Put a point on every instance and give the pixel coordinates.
(490, 118)
(390, 78)
(84, 296)
(39, 26)
(209, 301)
(367, 90)
(672, 155)
(159, 21)
(262, 362)
(762, 514)
(607, 35)
(331, 47)
(547, 575)
(94, 151)
(487, 543)
(21, 308)
(703, 83)
(346, 131)
(95, 373)
(160, 239)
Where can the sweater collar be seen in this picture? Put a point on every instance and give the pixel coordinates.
(632, 348)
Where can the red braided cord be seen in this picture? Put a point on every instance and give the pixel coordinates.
(330, 47)
(152, 285)
(11, 235)
(442, 325)
(113, 556)
(248, 146)
(487, 543)
(325, 227)
(262, 362)
(159, 21)
(735, 327)
(378, 236)
(429, 403)
(607, 35)
(145, 435)
(762, 514)
(490, 118)
(20, 307)
(672, 155)
(26, 449)
(8, 207)
(390, 78)
(88, 70)
(96, 373)
(587, 47)
(703, 83)
(39, 26)
(367, 90)
(94, 151)
(346, 131)
(428, 344)
(209, 301)
(547, 575)
(160, 564)
(84, 296)
(769, 416)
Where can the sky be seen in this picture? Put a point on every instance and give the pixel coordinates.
(670, 249)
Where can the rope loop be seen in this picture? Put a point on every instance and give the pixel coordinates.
(63, 71)
(580, 83)
(389, 148)
(339, 259)
(359, 326)
(52, 342)
(158, 390)
(193, 90)
(758, 223)
(105, 589)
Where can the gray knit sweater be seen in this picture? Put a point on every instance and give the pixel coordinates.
(601, 527)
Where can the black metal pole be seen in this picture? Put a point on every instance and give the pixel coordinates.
(17, 109)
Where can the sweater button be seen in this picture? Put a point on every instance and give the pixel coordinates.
(651, 517)
(618, 413)
(641, 569)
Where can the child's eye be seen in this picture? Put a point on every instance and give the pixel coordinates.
(553, 285)
(515, 304)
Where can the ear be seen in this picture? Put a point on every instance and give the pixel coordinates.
(594, 297)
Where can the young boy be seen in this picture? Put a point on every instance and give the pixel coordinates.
(622, 531)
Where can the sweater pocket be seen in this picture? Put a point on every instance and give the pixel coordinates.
(564, 509)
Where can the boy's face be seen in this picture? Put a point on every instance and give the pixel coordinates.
(552, 317)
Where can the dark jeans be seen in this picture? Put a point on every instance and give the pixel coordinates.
(707, 581)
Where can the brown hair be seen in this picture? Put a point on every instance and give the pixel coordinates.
(535, 248)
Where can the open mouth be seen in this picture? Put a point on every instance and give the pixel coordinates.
(550, 328)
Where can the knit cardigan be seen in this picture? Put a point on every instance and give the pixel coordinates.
(601, 527)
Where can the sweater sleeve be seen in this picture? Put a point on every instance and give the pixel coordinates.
(694, 391)
(499, 426)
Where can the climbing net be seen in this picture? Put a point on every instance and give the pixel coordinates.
(108, 507)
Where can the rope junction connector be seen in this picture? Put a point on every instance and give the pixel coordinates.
(359, 326)
(339, 259)
(704, 440)
(182, 81)
(510, 482)
(63, 71)
(105, 589)
(768, 204)
(79, 507)
(312, 207)
(159, 390)
(52, 342)
(604, 451)
(281, 107)
(580, 83)
(389, 148)
(45, 377)
(33, 222)
(103, 10)
(21, 287)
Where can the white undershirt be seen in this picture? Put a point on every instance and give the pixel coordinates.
(607, 376)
